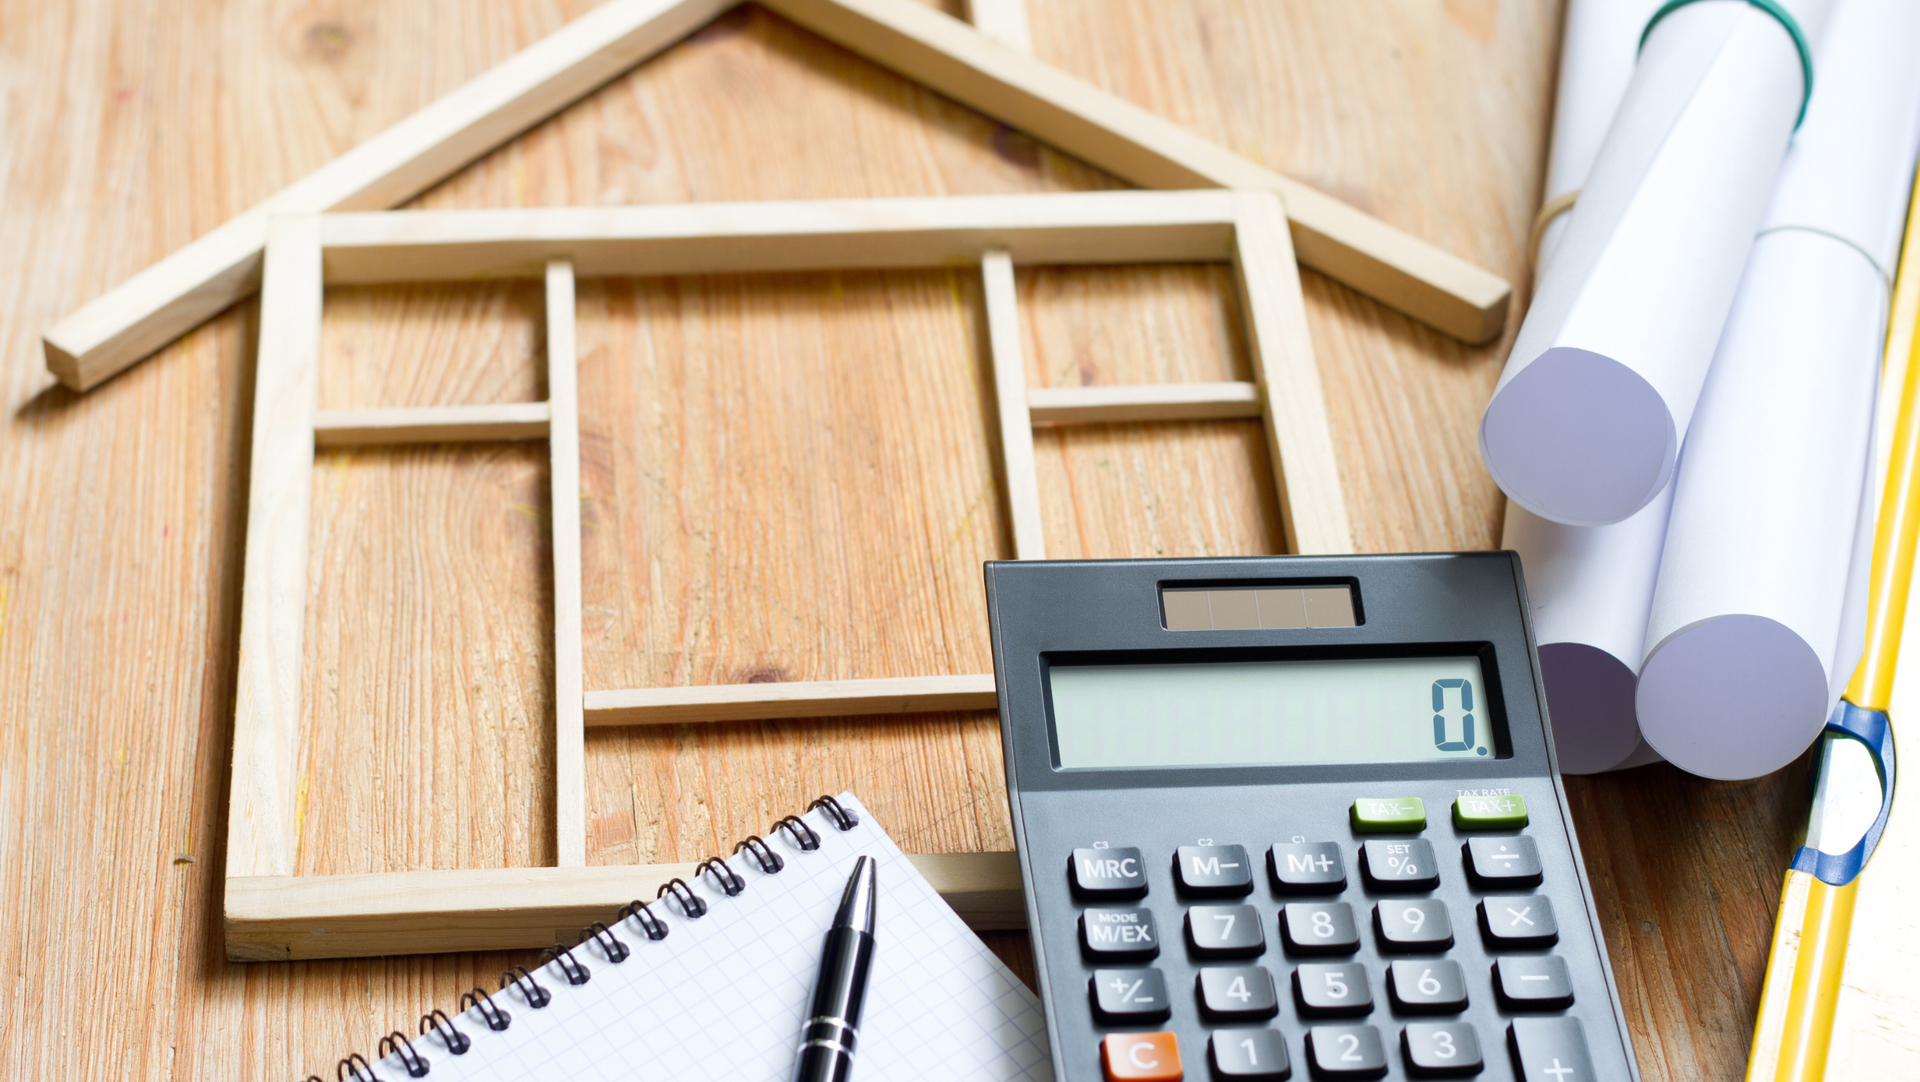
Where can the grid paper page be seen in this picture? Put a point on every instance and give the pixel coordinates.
(724, 995)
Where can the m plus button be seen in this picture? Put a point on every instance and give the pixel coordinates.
(1107, 873)
(1307, 868)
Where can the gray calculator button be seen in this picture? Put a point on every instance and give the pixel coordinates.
(1332, 989)
(1533, 983)
(1307, 868)
(1318, 928)
(1119, 935)
(1225, 931)
(1346, 1052)
(1550, 1050)
(1525, 921)
(1441, 1049)
(1415, 924)
(1399, 865)
(1427, 986)
(1503, 863)
(1130, 995)
(1116, 873)
(1249, 1053)
(1237, 993)
(1213, 871)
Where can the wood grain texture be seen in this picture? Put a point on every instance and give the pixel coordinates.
(1001, 301)
(563, 482)
(431, 424)
(1144, 402)
(134, 127)
(791, 699)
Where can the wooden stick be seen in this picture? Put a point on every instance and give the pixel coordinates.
(181, 291)
(430, 424)
(792, 699)
(1313, 506)
(1002, 21)
(1144, 402)
(1010, 389)
(281, 918)
(563, 447)
(941, 52)
(263, 829)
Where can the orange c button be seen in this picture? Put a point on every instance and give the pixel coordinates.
(1141, 1057)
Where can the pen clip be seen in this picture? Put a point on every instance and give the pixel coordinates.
(1870, 728)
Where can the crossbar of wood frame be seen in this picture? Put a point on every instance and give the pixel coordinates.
(274, 913)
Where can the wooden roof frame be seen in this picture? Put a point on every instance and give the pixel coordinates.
(189, 286)
(272, 912)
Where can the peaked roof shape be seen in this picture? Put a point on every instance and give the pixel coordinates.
(189, 286)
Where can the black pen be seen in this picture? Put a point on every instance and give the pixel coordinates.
(826, 1041)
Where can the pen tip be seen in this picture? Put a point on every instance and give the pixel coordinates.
(859, 906)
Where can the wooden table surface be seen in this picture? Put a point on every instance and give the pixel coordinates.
(786, 477)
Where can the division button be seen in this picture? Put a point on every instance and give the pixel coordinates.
(1438, 986)
(1330, 990)
(1550, 1050)
(1346, 1052)
(1130, 995)
(1503, 863)
(1118, 935)
(1533, 983)
(1307, 868)
(1250, 1053)
(1519, 922)
(1225, 931)
(1237, 993)
(1441, 1049)
(1116, 873)
(1376, 815)
(1400, 865)
(1490, 812)
(1413, 925)
(1140, 1057)
(1213, 871)
(1318, 928)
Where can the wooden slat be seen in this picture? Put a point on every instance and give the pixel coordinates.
(1010, 391)
(1144, 402)
(838, 234)
(792, 699)
(181, 291)
(1313, 506)
(263, 814)
(563, 442)
(1002, 21)
(430, 424)
(282, 918)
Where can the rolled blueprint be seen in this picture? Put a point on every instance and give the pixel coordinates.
(1759, 613)
(1586, 422)
(1590, 586)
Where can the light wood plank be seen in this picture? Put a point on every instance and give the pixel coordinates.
(1003, 21)
(790, 699)
(430, 424)
(1010, 391)
(1144, 402)
(1332, 237)
(157, 305)
(263, 826)
(563, 441)
(1312, 503)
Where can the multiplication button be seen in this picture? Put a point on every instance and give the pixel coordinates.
(1099, 874)
(1119, 935)
(1396, 865)
(1503, 863)
(1518, 923)
(1307, 868)
(1129, 995)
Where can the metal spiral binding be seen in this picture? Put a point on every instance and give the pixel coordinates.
(482, 1000)
(610, 944)
(354, 1062)
(450, 1035)
(730, 882)
(761, 853)
(534, 992)
(691, 904)
(569, 965)
(641, 913)
(397, 1044)
(797, 831)
(842, 818)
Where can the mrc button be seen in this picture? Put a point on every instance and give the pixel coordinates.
(1107, 873)
(1119, 935)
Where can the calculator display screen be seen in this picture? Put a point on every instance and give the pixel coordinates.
(1353, 710)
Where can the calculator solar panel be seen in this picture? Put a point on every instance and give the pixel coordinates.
(1296, 817)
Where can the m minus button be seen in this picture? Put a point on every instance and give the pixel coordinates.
(1107, 874)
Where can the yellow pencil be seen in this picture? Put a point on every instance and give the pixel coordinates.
(1795, 1027)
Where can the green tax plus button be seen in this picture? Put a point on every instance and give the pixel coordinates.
(1373, 816)
(1490, 812)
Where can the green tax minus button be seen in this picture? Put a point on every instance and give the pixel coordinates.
(1490, 812)
(1376, 816)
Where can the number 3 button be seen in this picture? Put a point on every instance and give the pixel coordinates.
(1441, 1049)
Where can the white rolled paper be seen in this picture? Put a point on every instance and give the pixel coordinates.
(1586, 422)
(1759, 614)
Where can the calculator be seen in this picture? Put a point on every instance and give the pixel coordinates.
(1296, 817)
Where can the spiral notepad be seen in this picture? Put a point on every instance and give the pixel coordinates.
(712, 980)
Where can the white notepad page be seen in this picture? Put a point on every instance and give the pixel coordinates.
(724, 995)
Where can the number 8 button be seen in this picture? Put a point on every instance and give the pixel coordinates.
(1319, 928)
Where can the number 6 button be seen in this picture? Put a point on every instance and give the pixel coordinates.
(1318, 928)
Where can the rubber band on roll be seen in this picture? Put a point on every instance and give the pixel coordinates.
(1787, 22)
(1552, 209)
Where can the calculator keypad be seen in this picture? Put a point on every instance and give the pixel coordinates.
(1225, 931)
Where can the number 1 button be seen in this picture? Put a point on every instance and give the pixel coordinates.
(1250, 1053)
(1141, 1057)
